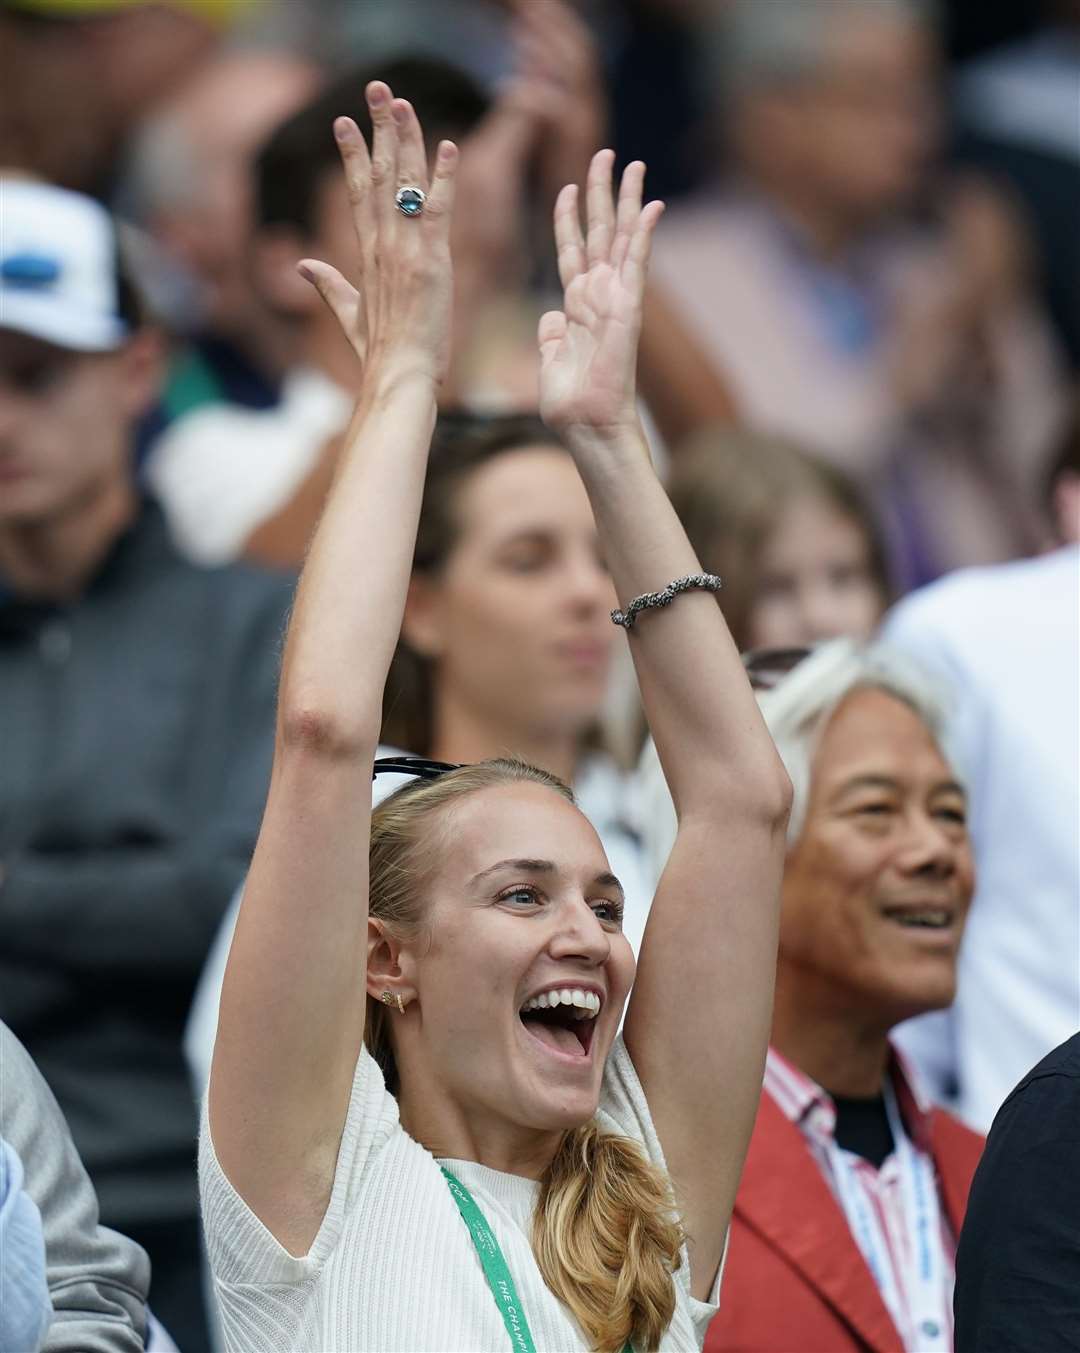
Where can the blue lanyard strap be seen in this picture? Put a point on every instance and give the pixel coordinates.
(494, 1265)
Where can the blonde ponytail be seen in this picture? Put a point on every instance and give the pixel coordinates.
(607, 1240)
(605, 1232)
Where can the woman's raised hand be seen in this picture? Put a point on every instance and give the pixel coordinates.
(397, 317)
(588, 350)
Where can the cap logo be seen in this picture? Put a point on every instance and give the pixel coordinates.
(29, 271)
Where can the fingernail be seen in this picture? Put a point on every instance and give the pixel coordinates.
(376, 94)
(341, 128)
(401, 111)
(305, 272)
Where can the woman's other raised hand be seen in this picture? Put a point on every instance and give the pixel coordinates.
(397, 316)
(588, 350)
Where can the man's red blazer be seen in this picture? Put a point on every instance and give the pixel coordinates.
(794, 1280)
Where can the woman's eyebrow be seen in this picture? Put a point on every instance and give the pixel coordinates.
(608, 880)
(522, 865)
(526, 866)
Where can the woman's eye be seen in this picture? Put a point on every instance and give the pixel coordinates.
(608, 910)
(523, 563)
(528, 553)
(520, 896)
(954, 815)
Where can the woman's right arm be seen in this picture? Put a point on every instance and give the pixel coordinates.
(293, 999)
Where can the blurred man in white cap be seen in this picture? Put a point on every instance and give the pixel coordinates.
(136, 716)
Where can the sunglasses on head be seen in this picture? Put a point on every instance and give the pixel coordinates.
(767, 667)
(419, 766)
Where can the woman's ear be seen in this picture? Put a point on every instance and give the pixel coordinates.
(422, 623)
(389, 967)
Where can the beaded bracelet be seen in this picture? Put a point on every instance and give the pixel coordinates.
(709, 581)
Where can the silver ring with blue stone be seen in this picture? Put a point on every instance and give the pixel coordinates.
(410, 201)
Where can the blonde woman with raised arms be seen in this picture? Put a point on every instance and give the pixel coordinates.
(422, 1132)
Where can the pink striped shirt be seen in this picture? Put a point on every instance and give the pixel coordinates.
(877, 1195)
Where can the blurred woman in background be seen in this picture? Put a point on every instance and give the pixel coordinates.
(506, 645)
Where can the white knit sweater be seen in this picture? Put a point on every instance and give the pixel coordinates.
(393, 1268)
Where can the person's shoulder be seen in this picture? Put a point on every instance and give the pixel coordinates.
(1044, 1107)
(1063, 1061)
(709, 223)
(235, 585)
(250, 607)
(254, 583)
(17, 1068)
(971, 600)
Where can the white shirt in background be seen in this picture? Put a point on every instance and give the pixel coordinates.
(1007, 640)
(222, 470)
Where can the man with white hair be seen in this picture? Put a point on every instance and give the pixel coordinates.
(900, 342)
(854, 1189)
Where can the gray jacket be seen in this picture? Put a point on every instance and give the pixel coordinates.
(98, 1279)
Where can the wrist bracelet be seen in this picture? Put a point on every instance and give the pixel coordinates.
(709, 582)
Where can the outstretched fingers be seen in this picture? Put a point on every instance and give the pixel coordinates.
(569, 242)
(599, 208)
(384, 152)
(635, 265)
(357, 166)
(411, 157)
(440, 203)
(629, 209)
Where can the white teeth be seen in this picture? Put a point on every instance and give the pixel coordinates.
(933, 918)
(585, 1003)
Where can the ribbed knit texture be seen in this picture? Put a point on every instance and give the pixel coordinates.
(393, 1268)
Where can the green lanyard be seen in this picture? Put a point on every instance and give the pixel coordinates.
(495, 1268)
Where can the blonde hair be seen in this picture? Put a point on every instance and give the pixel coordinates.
(605, 1231)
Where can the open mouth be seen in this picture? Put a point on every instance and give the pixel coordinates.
(563, 1020)
(926, 918)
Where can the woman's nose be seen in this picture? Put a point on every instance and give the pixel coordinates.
(579, 934)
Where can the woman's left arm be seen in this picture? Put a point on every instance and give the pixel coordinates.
(699, 1015)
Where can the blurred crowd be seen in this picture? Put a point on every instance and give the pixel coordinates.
(859, 368)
